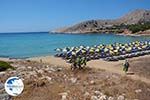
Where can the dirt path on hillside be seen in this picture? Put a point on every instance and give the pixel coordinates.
(114, 67)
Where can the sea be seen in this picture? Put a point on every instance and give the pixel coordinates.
(33, 44)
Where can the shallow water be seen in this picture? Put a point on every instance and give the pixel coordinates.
(22, 45)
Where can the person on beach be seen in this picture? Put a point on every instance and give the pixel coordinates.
(126, 66)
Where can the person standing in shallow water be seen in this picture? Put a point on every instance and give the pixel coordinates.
(126, 66)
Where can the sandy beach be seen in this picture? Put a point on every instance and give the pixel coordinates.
(50, 60)
(93, 63)
(114, 67)
(123, 34)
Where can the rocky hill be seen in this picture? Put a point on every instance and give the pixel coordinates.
(134, 17)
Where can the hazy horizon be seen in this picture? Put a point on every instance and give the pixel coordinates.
(42, 16)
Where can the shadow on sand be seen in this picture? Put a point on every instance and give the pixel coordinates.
(130, 73)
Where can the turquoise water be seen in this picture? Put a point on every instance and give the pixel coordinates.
(22, 45)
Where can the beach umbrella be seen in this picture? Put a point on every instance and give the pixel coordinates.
(136, 41)
(72, 48)
(123, 46)
(116, 51)
(139, 48)
(111, 48)
(144, 46)
(91, 50)
(81, 47)
(123, 52)
(99, 47)
(126, 44)
(64, 50)
(106, 50)
(69, 53)
(97, 50)
(117, 47)
(58, 49)
(87, 47)
(80, 51)
(95, 46)
(120, 45)
(73, 53)
(83, 51)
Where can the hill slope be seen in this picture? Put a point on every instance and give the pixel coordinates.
(134, 17)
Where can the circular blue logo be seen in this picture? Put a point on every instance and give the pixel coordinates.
(14, 86)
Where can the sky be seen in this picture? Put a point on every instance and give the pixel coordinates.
(45, 15)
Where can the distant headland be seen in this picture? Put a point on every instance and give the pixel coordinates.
(135, 22)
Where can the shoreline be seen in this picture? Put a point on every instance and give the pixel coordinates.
(132, 34)
(124, 34)
(47, 58)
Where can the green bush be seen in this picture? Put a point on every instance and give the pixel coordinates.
(5, 65)
(134, 27)
(139, 27)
